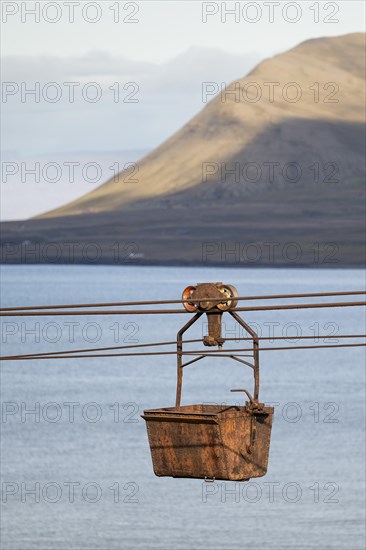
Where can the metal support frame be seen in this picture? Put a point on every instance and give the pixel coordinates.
(254, 335)
(180, 364)
(180, 356)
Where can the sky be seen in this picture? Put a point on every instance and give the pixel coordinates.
(157, 31)
(110, 76)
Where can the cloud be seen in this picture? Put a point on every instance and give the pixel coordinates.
(140, 103)
(167, 95)
(46, 68)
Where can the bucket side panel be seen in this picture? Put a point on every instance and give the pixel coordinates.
(244, 460)
(261, 445)
(235, 437)
(186, 449)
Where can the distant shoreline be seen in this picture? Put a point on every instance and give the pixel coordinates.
(300, 265)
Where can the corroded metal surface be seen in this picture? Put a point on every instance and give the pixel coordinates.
(211, 441)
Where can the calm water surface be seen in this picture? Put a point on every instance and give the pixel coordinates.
(77, 474)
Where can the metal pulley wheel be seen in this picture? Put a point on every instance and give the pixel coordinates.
(231, 293)
(189, 305)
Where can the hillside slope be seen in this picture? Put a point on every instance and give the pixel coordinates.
(241, 174)
(313, 112)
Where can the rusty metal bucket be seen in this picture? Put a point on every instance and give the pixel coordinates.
(210, 441)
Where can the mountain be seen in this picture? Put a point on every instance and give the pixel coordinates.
(277, 156)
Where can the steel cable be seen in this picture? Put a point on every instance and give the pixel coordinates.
(181, 301)
(173, 342)
(167, 311)
(214, 353)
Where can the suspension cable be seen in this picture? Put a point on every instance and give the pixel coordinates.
(181, 301)
(213, 353)
(167, 311)
(173, 342)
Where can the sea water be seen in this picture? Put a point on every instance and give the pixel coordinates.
(76, 467)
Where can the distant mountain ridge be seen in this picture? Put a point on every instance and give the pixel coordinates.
(287, 167)
(325, 125)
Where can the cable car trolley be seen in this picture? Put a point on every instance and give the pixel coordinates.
(224, 442)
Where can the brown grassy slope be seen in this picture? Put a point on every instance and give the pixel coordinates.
(231, 130)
